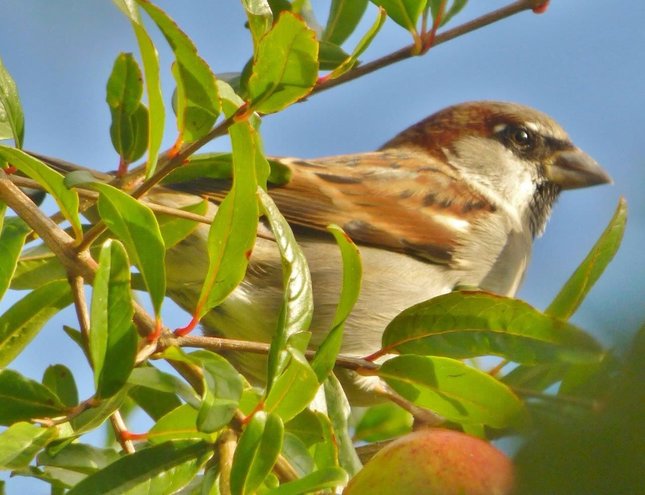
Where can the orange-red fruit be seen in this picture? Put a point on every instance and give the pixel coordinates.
(435, 462)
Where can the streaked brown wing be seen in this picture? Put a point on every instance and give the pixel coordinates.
(393, 199)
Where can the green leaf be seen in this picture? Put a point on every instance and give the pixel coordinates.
(383, 421)
(362, 45)
(23, 399)
(136, 226)
(37, 267)
(330, 55)
(456, 7)
(197, 100)
(344, 16)
(325, 357)
(93, 418)
(453, 390)
(113, 338)
(50, 180)
(297, 305)
(256, 453)
(20, 443)
(154, 403)
(80, 458)
(154, 379)
(285, 68)
(222, 392)
(293, 389)
(22, 322)
(13, 232)
(260, 18)
(175, 229)
(468, 324)
(129, 129)
(580, 283)
(150, 59)
(323, 479)
(60, 380)
(232, 233)
(163, 468)
(404, 12)
(12, 121)
(178, 424)
(339, 411)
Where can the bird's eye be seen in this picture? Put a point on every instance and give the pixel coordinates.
(521, 137)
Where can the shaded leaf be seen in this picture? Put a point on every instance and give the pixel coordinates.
(20, 443)
(285, 67)
(50, 180)
(93, 418)
(22, 322)
(60, 380)
(164, 468)
(12, 121)
(405, 13)
(197, 100)
(383, 421)
(580, 283)
(23, 399)
(256, 452)
(113, 338)
(150, 59)
(453, 390)
(154, 379)
(175, 229)
(260, 18)
(178, 424)
(469, 324)
(129, 128)
(136, 226)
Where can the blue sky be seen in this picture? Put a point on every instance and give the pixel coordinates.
(581, 62)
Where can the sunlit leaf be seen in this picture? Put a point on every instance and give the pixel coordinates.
(60, 380)
(20, 443)
(13, 232)
(22, 322)
(469, 324)
(322, 479)
(285, 67)
(344, 16)
(260, 18)
(405, 13)
(113, 338)
(12, 122)
(453, 390)
(197, 100)
(580, 283)
(50, 180)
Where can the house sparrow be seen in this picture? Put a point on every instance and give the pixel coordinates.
(454, 200)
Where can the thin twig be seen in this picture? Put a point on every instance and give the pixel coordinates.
(120, 432)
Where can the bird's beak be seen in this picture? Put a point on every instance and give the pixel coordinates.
(573, 168)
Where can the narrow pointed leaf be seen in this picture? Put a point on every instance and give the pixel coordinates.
(325, 357)
(232, 233)
(20, 443)
(256, 453)
(22, 322)
(176, 229)
(79, 457)
(453, 390)
(150, 59)
(197, 100)
(285, 68)
(23, 399)
(580, 283)
(12, 122)
(113, 338)
(50, 180)
(469, 324)
(178, 424)
(344, 16)
(13, 232)
(163, 468)
(136, 226)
